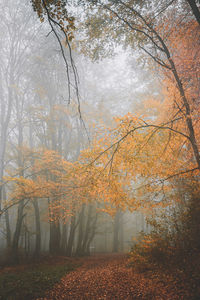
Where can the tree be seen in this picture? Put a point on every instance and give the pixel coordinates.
(195, 9)
(143, 29)
(18, 25)
(60, 21)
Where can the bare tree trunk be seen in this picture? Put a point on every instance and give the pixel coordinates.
(92, 234)
(15, 243)
(35, 204)
(87, 229)
(195, 9)
(71, 236)
(21, 205)
(116, 232)
(8, 230)
(37, 229)
(54, 242)
(5, 120)
(80, 231)
(121, 233)
(26, 240)
(63, 246)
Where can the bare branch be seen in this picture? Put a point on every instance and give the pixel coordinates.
(164, 8)
(74, 69)
(156, 59)
(161, 181)
(50, 20)
(134, 28)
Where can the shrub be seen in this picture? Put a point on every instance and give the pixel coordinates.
(173, 241)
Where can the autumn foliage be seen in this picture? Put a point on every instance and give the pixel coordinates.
(72, 170)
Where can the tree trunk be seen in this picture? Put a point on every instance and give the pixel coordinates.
(54, 242)
(87, 229)
(37, 229)
(64, 239)
(71, 236)
(8, 231)
(116, 232)
(80, 231)
(189, 122)
(92, 234)
(15, 243)
(121, 233)
(195, 9)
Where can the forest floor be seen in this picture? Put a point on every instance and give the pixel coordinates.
(107, 276)
(110, 277)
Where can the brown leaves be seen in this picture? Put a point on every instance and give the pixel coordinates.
(108, 277)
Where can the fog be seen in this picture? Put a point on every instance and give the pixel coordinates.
(36, 117)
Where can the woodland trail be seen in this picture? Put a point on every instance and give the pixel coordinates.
(108, 277)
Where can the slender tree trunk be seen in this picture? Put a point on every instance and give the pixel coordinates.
(116, 232)
(92, 234)
(71, 236)
(189, 122)
(15, 243)
(164, 49)
(186, 103)
(26, 240)
(194, 9)
(2, 162)
(35, 203)
(5, 120)
(80, 231)
(121, 233)
(54, 242)
(64, 239)
(20, 164)
(87, 229)
(8, 230)
(37, 229)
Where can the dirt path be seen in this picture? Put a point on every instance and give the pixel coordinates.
(108, 277)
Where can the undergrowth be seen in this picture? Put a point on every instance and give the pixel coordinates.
(33, 283)
(172, 248)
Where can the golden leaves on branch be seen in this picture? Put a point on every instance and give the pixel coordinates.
(57, 12)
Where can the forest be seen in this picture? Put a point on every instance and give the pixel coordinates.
(99, 149)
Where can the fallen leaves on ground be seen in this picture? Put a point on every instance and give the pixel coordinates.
(109, 277)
